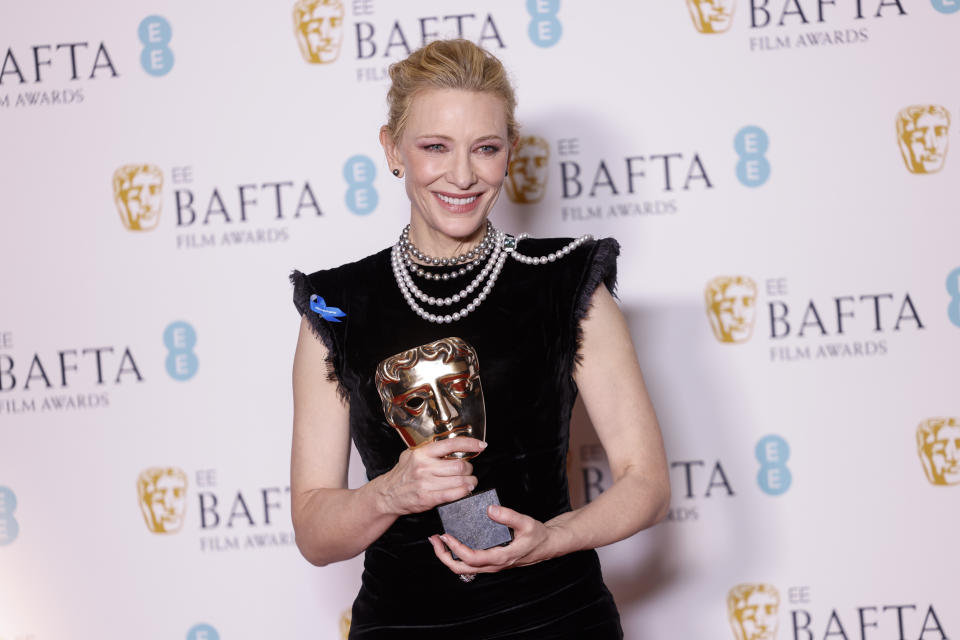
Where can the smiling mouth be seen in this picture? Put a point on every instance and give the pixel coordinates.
(457, 202)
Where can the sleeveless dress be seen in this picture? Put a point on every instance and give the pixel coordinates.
(526, 334)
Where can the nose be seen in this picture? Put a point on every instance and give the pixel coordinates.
(443, 410)
(461, 173)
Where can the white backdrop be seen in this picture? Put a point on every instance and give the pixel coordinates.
(147, 324)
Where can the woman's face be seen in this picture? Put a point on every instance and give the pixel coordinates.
(454, 152)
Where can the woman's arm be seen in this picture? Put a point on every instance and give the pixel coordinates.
(616, 399)
(332, 522)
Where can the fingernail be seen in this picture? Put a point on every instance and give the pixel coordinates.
(492, 510)
(483, 445)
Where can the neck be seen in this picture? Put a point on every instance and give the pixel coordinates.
(439, 245)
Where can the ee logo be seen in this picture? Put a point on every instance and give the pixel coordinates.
(953, 288)
(180, 339)
(774, 477)
(202, 632)
(359, 173)
(751, 144)
(946, 6)
(155, 33)
(8, 524)
(544, 30)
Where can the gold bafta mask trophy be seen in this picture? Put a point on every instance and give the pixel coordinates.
(432, 392)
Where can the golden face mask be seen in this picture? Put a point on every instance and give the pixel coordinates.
(731, 307)
(711, 16)
(752, 609)
(432, 392)
(938, 443)
(318, 26)
(137, 192)
(922, 133)
(163, 498)
(527, 180)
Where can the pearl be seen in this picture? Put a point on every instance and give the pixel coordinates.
(495, 247)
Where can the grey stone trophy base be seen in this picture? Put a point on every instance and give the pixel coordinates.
(467, 521)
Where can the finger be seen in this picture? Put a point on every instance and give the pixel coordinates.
(448, 546)
(453, 468)
(508, 517)
(443, 448)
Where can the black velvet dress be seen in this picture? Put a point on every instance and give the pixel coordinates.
(526, 334)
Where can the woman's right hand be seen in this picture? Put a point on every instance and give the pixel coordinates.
(424, 477)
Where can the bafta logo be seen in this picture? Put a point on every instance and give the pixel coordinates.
(711, 16)
(163, 498)
(318, 25)
(752, 609)
(345, 619)
(938, 443)
(731, 307)
(922, 136)
(527, 177)
(137, 190)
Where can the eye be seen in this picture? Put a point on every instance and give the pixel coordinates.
(433, 147)
(415, 404)
(461, 388)
(488, 149)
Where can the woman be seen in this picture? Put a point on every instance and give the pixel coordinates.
(543, 330)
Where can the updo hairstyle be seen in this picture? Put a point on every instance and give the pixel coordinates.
(447, 64)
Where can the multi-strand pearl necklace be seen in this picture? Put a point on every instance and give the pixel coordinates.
(495, 244)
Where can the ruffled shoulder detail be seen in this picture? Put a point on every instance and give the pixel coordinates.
(311, 302)
(601, 266)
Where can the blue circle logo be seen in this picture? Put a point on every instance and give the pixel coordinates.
(181, 362)
(359, 172)
(751, 144)
(946, 6)
(774, 477)
(202, 631)
(155, 34)
(545, 29)
(9, 528)
(953, 288)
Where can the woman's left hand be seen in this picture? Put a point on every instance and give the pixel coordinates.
(532, 543)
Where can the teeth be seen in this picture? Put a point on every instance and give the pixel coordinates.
(456, 201)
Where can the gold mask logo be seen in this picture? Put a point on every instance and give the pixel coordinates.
(163, 498)
(527, 173)
(138, 192)
(345, 619)
(318, 26)
(923, 136)
(711, 16)
(731, 307)
(753, 611)
(938, 443)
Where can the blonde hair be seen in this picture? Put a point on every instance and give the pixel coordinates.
(447, 64)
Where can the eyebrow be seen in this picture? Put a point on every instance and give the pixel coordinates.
(440, 136)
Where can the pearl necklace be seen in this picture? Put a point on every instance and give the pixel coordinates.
(500, 246)
(482, 249)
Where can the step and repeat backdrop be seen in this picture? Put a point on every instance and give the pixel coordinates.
(783, 176)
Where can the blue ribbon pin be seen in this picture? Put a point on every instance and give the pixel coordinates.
(319, 306)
